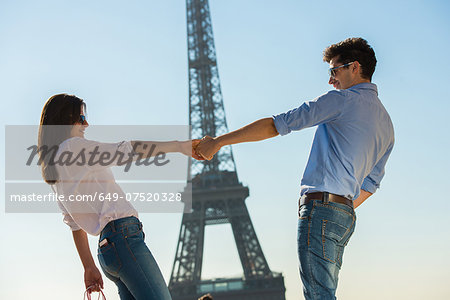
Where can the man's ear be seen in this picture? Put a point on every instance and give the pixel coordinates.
(356, 67)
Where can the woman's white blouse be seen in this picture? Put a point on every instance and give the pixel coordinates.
(90, 181)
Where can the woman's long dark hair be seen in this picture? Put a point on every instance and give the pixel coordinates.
(61, 109)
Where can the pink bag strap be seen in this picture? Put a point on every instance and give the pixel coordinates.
(88, 295)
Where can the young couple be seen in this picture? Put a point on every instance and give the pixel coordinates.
(353, 141)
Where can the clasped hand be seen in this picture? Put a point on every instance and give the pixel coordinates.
(205, 148)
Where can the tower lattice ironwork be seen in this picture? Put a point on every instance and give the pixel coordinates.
(217, 195)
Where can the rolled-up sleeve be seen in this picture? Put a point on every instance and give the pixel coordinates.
(325, 108)
(372, 181)
(99, 155)
(67, 218)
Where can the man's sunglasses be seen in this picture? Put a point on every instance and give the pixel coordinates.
(332, 71)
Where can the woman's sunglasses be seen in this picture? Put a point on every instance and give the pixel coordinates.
(82, 119)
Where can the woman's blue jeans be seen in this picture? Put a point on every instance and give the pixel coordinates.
(324, 230)
(127, 261)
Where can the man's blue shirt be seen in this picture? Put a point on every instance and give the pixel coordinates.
(352, 143)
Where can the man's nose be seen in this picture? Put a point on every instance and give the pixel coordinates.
(331, 80)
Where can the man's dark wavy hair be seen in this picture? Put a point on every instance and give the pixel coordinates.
(353, 49)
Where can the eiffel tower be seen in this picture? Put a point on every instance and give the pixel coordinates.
(217, 195)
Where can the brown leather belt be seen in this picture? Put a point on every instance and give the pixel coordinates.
(325, 197)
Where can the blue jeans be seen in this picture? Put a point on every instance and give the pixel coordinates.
(126, 260)
(324, 230)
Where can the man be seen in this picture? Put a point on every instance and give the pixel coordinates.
(352, 143)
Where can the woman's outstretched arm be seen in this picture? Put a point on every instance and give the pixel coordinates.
(149, 148)
(92, 275)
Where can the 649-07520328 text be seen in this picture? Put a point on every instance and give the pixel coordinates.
(135, 197)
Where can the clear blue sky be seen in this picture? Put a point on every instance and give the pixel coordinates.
(128, 61)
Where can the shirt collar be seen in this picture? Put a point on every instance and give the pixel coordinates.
(365, 85)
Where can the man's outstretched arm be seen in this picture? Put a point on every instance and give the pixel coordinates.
(256, 131)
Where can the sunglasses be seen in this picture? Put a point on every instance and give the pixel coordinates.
(332, 71)
(82, 119)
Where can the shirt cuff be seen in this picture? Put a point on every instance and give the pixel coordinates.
(280, 124)
(369, 186)
(75, 228)
(70, 222)
(127, 148)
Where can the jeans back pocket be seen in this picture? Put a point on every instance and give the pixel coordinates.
(334, 237)
(109, 259)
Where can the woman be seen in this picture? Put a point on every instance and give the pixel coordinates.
(122, 253)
